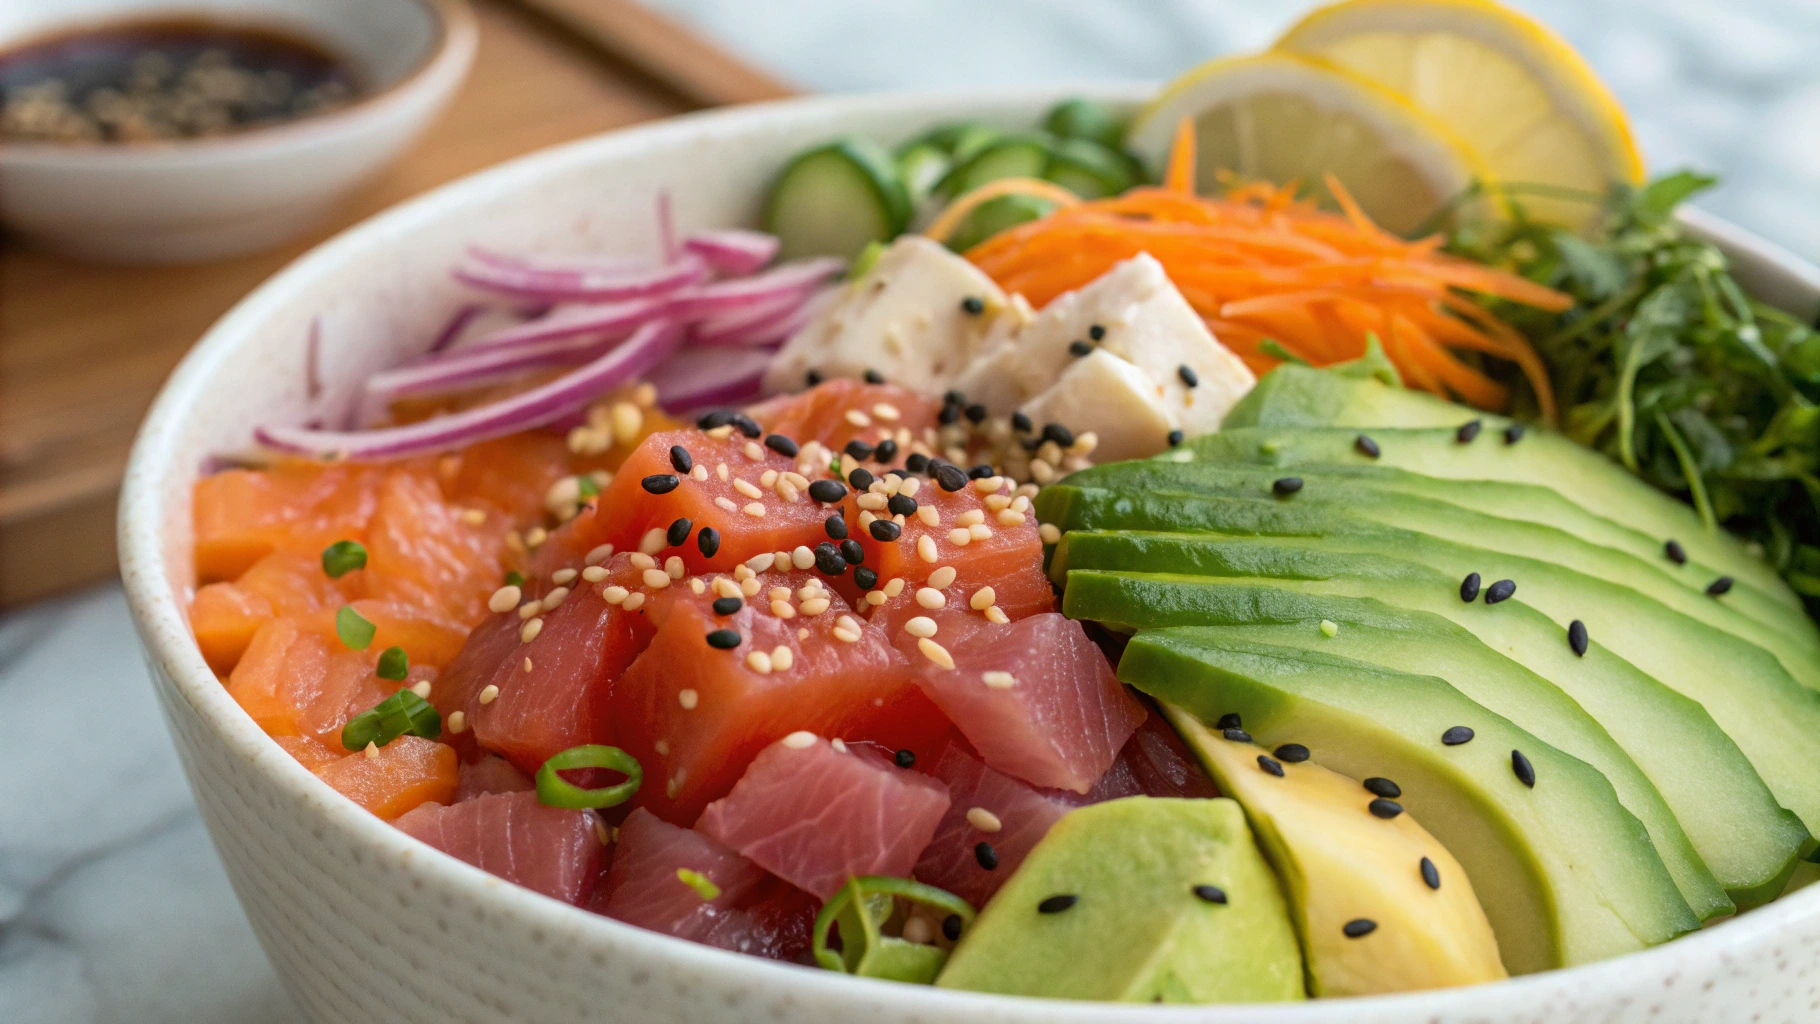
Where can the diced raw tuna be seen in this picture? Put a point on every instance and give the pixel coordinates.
(695, 715)
(243, 515)
(953, 860)
(1038, 701)
(488, 775)
(956, 620)
(815, 815)
(754, 913)
(551, 850)
(1153, 762)
(401, 775)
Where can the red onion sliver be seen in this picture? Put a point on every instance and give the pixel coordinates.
(696, 377)
(457, 323)
(796, 277)
(542, 405)
(712, 330)
(568, 321)
(666, 227)
(734, 253)
(590, 286)
(471, 368)
(558, 266)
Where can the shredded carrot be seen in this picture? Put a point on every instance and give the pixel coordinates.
(1262, 266)
(958, 210)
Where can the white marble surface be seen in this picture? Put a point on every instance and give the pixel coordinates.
(112, 905)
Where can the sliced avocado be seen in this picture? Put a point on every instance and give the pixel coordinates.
(1424, 644)
(1137, 900)
(1297, 396)
(1719, 795)
(1565, 874)
(1339, 863)
(1787, 633)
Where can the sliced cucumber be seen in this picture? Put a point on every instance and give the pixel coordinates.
(921, 165)
(995, 215)
(1084, 119)
(1012, 156)
(1088, 169)
(836, 198)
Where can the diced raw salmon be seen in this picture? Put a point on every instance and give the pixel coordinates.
(397, 777)
(243, 515)
(428, 639)
(510, 475)
(837, 411)
(294, 682)
(312, 754)
(551, 850)
(225, 615)
(429, 553)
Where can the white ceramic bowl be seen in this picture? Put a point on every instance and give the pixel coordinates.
(209, 198)
(365, 924)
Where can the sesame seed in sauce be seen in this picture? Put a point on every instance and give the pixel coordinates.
(528, 632)
(935, 652)
(505, 598)
(920, 626)
(760, 662)
(489, 694)
(800, 740)
(754, 509)
(999, 680)
(925, 548)
(634, 602)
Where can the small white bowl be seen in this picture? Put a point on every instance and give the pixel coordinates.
(178, 202)
(365, 924)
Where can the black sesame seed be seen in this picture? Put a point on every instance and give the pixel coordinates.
(1386, 809)
(1468, 431)
(829, 560)
(782, 445)
(1576, 637)
(1096, 332)
(860, 479)
(1719, 587)
(1457, 735)
(717, 418)
(858, 449)
(949, 416)
(975, 413)
(1513, 433)
(1062, 436)
(1236, 735)
(1270, 765)
(885, 530)
(725, 639)
(973, 305)
(905, 758)
(1175, 438)
(953, 397)
(812, 377)
(1079, 348)
(1189, 377)
(1209, 893)
(661, 483)
(1230, 720)
(680, 458)
(727, 605)
(1367, 447)
(986, 855)
(1500, 591)
(916, 462)
(1526, 772)
(950, 478)
(1359, 927)
(865, 578)
(901, 505)
(1431, 875)
(827, 492)
(746, 425)
(1057, 904)
(885, 450)
(1021, 423)
(851, 552)
(981, 471)
(678, 533)
(1469, 588)
(1675, 552)
(872, 376)
(1283, 487)
(708, 541)
(1378, 786)
(1294, 753)
(951, 927)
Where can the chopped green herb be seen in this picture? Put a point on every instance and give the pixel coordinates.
(343, 557)
(586, 487)
(394, 664)
(1274, 348)
(353, 628)
(555, 791)
(703, 887)
(401, 713)
(515, 579)
(860, 907)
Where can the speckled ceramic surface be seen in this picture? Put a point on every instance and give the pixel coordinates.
(364, 924)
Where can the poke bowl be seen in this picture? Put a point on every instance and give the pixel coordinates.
(363, 921)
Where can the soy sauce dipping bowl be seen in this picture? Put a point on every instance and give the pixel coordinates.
(192, 200)
(365, 924)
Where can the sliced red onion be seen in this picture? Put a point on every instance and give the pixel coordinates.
(637, 356)
(714, 330)
(558, 266)
(696, 377)
(457, 323)
(568, 321)
(464, 369)
(771, 330)
(734, 253)
(796, 277)
(582, 285)
(666, 227)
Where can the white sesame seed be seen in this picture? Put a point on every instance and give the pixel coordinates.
(839, 745)
(749, 586)
(847, 622)
(1028, 490)
(489, 694)
(761, 562)
(1041, 471)
(688, 699)
(641, 561)
(813, 588)
(673, 566)
(802, 633)
(527, 666)
(422, 689)
(633, 602)
(942, 577)
(372, 749)
(458, 721)
(886, 411)
(866, 519)
(594, 573)
(815, 606)
(627, 420)
(787, 490)
(563, 577)
(614, 594)
(986, 484)
(800, 740)
(721, 470)
(909, 487)
(875, 598)
(871, 501)
(928, 515)
(982, 599)
(994, 502)
(655, 540)
(697, 587)
(599, 555)
(894, 587)
(505, 598)
(746, 488)
(778, 593)
(528, 632)
(935, 652)
(555, 598)
(755, 510)
(997, 614)
(959, 537)
(783, 561)
(929, 597)
(983, 819)
(802, 557)
(925, 548)
(1010, 517)
(999, 680)
(980, 531)
(536, 535)
(724, 587)
(1050, 533)
(846, 635)
(1085, 443)
(970, 517)
(726, 503)
(529, 608)
(476, 517)
(858, 419)
(760, 662)
(662, 747)
(1020, 504)
(698, 473)
(782, 658)
(754, 452)
(768, 478)
(782, 609)
(656, 579)
(920, 626)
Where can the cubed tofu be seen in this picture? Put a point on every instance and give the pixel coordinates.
(904, 318)
(1105, 394)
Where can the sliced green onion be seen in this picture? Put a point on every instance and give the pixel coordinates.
(401, 713)
(515, 579)
(394, 664)
(343, 557)
(587, 487)
(353, 628)
(554, 791)
(860, 907)
(703, 886)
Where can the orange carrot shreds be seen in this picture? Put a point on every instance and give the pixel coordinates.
(958, 210)
(1180, 175)
(1259, 264)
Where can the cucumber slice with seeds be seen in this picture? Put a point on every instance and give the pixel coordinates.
(1088, 169)
(1012, 156)
(1084, 119)
(836, 198)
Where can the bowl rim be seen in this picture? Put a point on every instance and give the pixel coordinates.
(162, 625)
(457, 36)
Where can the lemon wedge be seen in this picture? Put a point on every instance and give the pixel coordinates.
(1525, 102)
(1283, 118)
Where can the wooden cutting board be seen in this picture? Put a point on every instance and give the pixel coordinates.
(84, 348)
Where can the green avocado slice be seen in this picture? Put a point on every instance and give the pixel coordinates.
(1566, 875)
